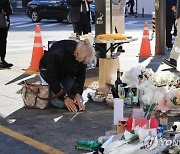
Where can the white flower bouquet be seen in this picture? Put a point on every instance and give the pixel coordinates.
(164, 79)
(171, 100)
(148, 74)
(176, 98)
(133, 141)
(151, 97)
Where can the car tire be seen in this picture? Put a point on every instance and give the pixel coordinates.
(35, 16)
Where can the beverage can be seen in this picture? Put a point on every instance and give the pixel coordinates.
(160, 132)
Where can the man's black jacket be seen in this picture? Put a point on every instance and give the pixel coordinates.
(59, 63)
(5, 7)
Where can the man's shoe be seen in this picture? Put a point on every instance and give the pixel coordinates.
(4, 64)
(171, 62)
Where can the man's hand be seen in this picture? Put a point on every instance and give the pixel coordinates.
(78, 101)
(173, 9)
(70, 105)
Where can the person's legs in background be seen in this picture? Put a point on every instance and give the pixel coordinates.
(77, 28)
(83, 26)
(132, 9)
(174, 54)
(169, 25)
(3, 44)
(86, 24)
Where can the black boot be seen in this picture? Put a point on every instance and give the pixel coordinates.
(4, 64)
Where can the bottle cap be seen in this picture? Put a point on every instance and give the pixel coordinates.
(163, 111)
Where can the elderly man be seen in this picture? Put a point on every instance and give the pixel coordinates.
(64, 67)
(176, 48)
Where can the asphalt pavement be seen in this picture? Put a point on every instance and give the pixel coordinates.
(34, 131)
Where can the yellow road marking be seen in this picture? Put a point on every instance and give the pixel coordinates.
(39, 145)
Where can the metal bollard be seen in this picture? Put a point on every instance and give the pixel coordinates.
(153, 25)
(143, 12)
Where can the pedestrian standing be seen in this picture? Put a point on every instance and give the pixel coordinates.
(170, 10)
(79, 16)
(118, 7)
(6, 10)
(176, 47)
(130, 4)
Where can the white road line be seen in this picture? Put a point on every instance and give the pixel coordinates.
(18, 41)
(19, 49)
(19, 45)
(33, 24)
(131, 22)
(18, 23)
(49, 25)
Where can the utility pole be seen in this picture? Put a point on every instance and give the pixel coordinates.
(160, 13)
(103, 24)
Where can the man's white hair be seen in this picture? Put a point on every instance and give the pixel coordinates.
(85, 48)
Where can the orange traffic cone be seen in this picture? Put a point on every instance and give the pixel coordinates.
(38, 51)
(145, 50)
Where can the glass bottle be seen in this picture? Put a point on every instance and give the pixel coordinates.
(118, 81)
(135, 95)
(129, 98)
(121, 92)
(87, 145)
(163, 120)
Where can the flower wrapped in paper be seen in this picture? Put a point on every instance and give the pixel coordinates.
(150, 99)
(133, 141)
(171, 100)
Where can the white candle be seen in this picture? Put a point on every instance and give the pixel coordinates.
(118, 110)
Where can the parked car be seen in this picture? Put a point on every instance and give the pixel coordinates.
(51, 9)
(47, 9)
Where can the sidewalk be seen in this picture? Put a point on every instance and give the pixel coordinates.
(59, 128)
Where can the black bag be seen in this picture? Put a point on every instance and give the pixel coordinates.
(3, 21)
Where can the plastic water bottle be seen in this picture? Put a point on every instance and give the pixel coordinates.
(129, 98)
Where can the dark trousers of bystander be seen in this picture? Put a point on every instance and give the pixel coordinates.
(83, 26)
(3, 42)
(132, 9)
(169, 25)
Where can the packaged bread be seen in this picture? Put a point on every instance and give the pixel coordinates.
(117, 36)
